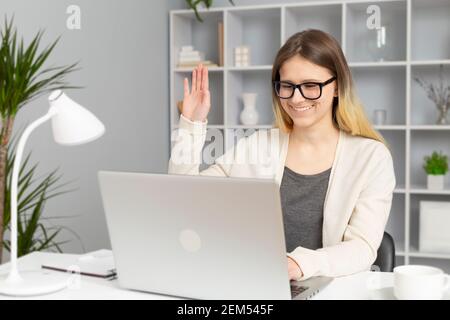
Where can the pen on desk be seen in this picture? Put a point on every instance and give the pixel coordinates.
(108, 276)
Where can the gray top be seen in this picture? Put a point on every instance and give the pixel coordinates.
(302, 199)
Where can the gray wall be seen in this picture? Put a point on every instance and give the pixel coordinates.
(124, 51)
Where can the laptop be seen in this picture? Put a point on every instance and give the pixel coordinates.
(199, 237)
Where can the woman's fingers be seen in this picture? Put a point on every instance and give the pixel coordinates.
(186, 87)
(199, 77)
(205, 83)
(194, 80)
(202, 85)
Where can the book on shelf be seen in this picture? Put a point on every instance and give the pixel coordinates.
(206, 63)
(190, 60)
(221, 48)
(189, 55)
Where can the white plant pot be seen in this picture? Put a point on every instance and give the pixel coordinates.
(249, 115)
(435, 182)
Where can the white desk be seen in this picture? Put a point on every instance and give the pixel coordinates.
(350, 287)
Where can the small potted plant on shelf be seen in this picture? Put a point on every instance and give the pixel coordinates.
(436, 166)
(193, 4)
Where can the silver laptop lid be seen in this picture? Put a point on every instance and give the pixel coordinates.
(198, 237)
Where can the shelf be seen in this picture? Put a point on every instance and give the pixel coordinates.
(189, 70)
(414, 252)
(221, 69)
(390, 127)
(430, 62)
(430, 30)
(186, 30)
(415, 222)
(208, 126)
(322, 17)
(418, 35)
(424, 111)
(390, 92)
(361, 42)
(250, 68)
(377, 64)
(419, 189)
(250, 127)
(260, 29)
(423, 143)
(430, 127)
(400, 249)
(235, 127)
(257, 81)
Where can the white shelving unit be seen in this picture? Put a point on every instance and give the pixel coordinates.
(418, 37)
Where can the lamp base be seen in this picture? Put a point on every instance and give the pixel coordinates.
(34, 283)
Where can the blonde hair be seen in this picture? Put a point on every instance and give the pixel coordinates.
(322, 49)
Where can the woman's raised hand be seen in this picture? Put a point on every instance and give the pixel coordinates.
(197, 101)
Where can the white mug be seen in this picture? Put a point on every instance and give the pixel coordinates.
(415, 282)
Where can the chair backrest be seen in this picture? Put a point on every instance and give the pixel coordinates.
(386, 254)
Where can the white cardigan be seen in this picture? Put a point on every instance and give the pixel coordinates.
(357, 202)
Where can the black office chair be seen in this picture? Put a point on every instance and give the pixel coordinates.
(385, 254)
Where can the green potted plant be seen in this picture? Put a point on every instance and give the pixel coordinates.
(24, 78)
(436, 166)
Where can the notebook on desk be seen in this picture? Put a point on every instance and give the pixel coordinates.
(98, 264)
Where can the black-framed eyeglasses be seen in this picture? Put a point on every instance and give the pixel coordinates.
(309, 90)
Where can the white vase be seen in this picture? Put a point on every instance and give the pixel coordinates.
(249, 115)
(435, 182)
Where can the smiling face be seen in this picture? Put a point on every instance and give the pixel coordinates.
(303, 112)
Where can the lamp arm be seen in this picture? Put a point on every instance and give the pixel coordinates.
(14, 276)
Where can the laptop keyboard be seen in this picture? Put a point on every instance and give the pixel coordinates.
(296, 290)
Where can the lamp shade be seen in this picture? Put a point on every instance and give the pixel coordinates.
(71, 123)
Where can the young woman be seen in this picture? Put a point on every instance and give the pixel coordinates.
(335, 171)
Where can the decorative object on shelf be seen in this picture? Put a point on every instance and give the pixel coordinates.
(436, 166)
(439, 94)
(207, 3)
(378, 44)
(249, 116)
(242, 56)
(188, 57)
(433, 226)
(380, 116)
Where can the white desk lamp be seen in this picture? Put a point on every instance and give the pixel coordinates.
(72, 125)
